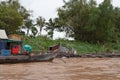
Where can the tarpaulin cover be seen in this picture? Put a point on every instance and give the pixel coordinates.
(27, 48)
(2, 45)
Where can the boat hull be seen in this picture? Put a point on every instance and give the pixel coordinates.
(26, 58)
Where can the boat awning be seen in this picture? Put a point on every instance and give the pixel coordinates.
(3, 34)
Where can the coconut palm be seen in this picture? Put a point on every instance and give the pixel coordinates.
(28, 24)
(40, 23)
(50, 27)
(34, 31)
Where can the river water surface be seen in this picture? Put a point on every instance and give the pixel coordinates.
(64, 69)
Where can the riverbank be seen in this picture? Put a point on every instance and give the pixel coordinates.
(81, 55)
(43, 43)
(90, 55)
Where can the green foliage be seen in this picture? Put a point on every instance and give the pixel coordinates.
(38, 43)
(86, 21)
(40, 23)
(28, 24)
(11, 15)
(34, 31)
(50, 27)
(42, 43)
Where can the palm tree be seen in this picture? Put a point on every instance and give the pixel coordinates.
(40, 23)
(28, 24)
(34, 31)
(50, 27)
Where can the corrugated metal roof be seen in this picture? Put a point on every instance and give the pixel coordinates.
(3, 34)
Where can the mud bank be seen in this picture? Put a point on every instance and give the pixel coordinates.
(90, 55)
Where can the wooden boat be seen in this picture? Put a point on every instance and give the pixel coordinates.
(27, 58)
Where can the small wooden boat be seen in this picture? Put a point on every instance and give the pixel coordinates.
(27, 58)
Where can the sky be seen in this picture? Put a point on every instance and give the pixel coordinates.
(45, 8)
(48, 9)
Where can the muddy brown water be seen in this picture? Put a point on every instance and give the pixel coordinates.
(64, 69)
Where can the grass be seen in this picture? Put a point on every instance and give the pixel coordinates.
(42, 43)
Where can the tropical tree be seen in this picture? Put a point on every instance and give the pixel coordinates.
(28, 24)
(34, 31)
(117, 23)
(12, 15)
(74, 16)
(86, 21)
(51, 26)
(40, 23)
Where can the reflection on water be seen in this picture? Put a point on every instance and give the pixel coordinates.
(65, 69)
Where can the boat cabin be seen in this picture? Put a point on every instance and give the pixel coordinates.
(58, 48)
(9, 46)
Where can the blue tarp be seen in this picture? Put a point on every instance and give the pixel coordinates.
(27, 48)
(5, 52)
(2, 45)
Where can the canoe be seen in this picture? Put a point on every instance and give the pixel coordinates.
(27, 58)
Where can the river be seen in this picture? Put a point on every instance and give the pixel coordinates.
(64, 69)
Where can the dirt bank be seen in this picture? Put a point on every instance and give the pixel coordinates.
(90, 55)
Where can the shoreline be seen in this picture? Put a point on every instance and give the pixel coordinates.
(90, 55)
